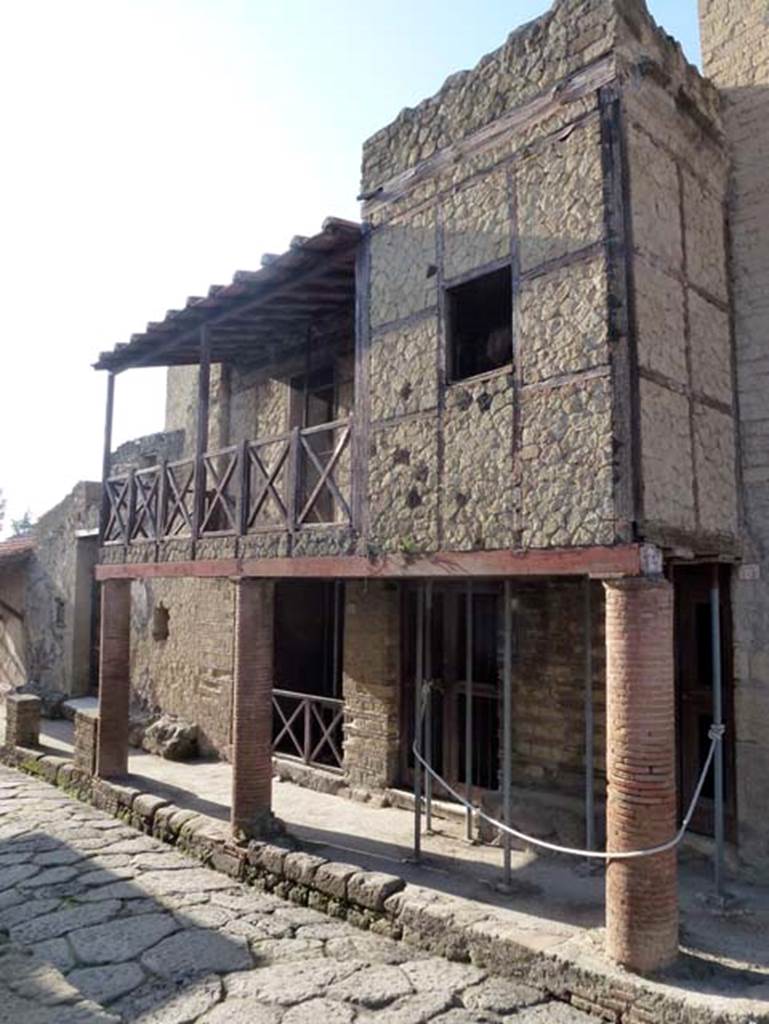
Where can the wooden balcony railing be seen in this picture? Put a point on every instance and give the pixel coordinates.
(308, 728)
(291, 482)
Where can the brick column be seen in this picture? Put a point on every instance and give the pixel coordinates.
(641, 894)
(114, 679)
(252, 707)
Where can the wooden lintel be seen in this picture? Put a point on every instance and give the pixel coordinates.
(624, 560)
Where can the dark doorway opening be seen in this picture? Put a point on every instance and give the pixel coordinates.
(694, 689)
(449, 702)
(308, 709)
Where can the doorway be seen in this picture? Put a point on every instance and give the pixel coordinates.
(694, 689)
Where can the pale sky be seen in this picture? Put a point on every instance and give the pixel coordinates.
(150, 148)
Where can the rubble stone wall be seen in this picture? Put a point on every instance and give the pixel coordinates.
(735, 41)
(491, 462)
(371, 684)
(58, 608)
(188, 673)
(13, 638)
(678, 170)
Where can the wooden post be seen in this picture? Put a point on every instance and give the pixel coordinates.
(106, 456)
(201, 438)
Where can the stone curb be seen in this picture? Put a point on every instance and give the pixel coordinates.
(456, 928)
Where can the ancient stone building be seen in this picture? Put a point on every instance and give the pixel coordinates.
(48, 602)
(476, 461)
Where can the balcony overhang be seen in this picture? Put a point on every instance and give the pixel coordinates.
(252, 318)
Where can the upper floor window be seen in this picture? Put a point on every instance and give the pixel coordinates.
(479, 315)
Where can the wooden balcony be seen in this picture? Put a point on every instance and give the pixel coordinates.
(297, 481)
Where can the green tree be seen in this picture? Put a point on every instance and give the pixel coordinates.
(21, 527)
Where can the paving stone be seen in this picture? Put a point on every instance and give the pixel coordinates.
(121, 938)
(16, 873)
(271, 951)
(361, 946)
(415, 1009)
(460, 1016)
(319, 1011)
(57, 952)
(49, 926)
(247, 1011)
(501, 995)
(105, 984)
(196, 951)
(56, 857)
(332, 877)
(286, 984)
(199, 879)
(103, 876)
(25, 911)
(114, 891)
(373, 987)
(243, 901)
(551, 1013)
(163, 1002)
(437, 974)
(49, 876)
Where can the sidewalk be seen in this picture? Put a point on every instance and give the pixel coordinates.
(557, 902)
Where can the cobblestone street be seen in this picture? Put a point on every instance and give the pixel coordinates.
(105, 924)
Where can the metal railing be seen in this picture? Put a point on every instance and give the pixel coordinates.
(294, 481)
(308, 728)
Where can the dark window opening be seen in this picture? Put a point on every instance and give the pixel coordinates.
(480, 333)
(160, 619)
(59, 614)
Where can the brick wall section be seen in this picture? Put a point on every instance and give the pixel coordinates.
(22, 720)
(371, 683)
(735, 46)
(114, 678)
(641, 894)
(252, 706)
(86, 737)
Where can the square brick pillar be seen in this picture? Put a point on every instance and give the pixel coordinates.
(114, 679)
(251, 812)
(642, 893)
(22, 720)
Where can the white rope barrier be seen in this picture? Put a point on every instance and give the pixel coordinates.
(715, 734)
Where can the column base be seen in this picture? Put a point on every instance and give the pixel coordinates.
(265, 825)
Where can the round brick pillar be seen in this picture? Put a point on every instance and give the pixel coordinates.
(642, 893)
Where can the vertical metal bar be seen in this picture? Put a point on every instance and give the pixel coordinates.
(294, 470)
(718, 720)
(106, 461)
(429, 704)
(243, 476)
(507, 731)
(589, 724)
(469, 706)
(418, 674)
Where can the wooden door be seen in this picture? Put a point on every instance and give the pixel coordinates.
(694, 688)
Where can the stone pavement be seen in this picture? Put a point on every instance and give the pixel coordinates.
(102, 924)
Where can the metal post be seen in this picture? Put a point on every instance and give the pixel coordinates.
(336, 619)
(507, 733)
(418, 673)
(589, 725)
(429, 704)
(718, 720)
(201, 435)
(469, 707)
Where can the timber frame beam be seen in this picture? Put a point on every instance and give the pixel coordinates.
(596, 562)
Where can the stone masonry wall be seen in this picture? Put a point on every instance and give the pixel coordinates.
(491, 461)
(677, 180)
(189, 673)
(13, 639)
(735, 42)
(371, 683)
(58, 594)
